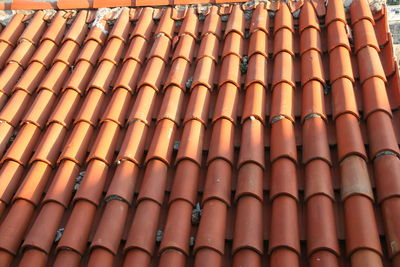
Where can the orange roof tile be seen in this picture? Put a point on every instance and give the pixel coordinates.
(216, 135)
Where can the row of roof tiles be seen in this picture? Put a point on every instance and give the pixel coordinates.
(85, 4)
(74, 109)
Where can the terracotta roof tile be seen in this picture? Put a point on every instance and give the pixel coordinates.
(199, 135)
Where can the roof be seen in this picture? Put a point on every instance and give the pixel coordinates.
(234, 135)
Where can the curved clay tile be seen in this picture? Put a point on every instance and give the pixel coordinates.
(255, 102)
(211, 232)
(41, 236)
(283, 42)
(282, 104)
(190, 24)
(364, 35)
(8, 78)
(249, 209)
(76, 230)
(117, 107)
(61, 114)
(177, 228)
(202, 75)
(161, 48)
(222, 140)
(318, 180)
(173, 94)
(144, 24)
(56, 29)
(284, 220)
(10, 174)
(197, 107)
(343, 97)
(13, 227)
(178, 75)
(355, 178)
(335, 12)
(337, 36)
(381, 134)
(262, 21)
(63, 179)
(340, 64)
(56, 77)
(312, 68)
(133, 145)
(109, 230)
(34, 30)
(360, 10)
(11, 33)
(320, 7)
(386, 169)
(315, 140)
(284, 180)
(145, 221)
(390, 208)
(258, 44)
(308, 17)
(236, 22)
(22, 53)
(250, 181)
(50, 146)
(381, 29)
(349, 139)
(185, 48)
(310, 40)
(283, 136)
(192, 142)
(283, 19)
(154, 65)
(182, 188)
(20, 151)
(252, 140)
(31, 78)
(91, 107)
(230, 71)
(375, 97)
(123, 183)
(89, 192)
(122, 26)
(361, 207)
(208, 48)
(76, 145)
(89, 53)
(141, 110)
(218, 181)
(322, 228)
(162, 148)
(212, 23)
(78, 29)
(233, 45)
(313, 100)
(128, 76)
(32, 187)
(112, 51)
(387, 59)
(227, 101)
(166, 24)
(5, 50)
(40, 109)
(15, 107)
(103, 147)
(283, 70)
(98, 33)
